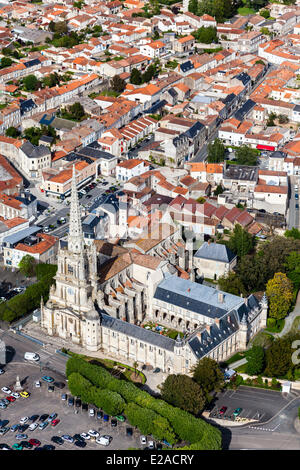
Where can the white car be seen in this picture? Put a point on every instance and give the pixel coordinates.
(33, 426)
(104, 440)
(15, 395)
(85, 436)
(143, 440)
(37, 384)
(24, 420)
(92, 412)
(6, 390)
(1, 371)
(93, 433)
(151, 445)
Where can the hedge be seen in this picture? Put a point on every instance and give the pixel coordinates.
(22, 304)
(111, 402)
(173, 421)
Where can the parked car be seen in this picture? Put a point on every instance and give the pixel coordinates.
(85, 436)
(120, 418)
(48, 447)
(25, 394)
(104, 440)
(93, 433)
(24, 420)
(26, 444)
(43, 425)
(6, 390)
(1, 371)
(33, 418)
(80, 444)
(43, 417)
(50, 388)
(223, 410)
(55, 422)
(143, 440)
(14, 428)
(3, 431)
(51, 417)
(57, 440)
(64, 396)
(129, 431)
(67, 438)
(99, 414)
(11, 399)
(19, 437)
(156, 370)
(33, 426)
(71, 401)
(59, 385)
(106, 418)
(114, 423)
(151, 445)
(48, 379)
(35, 442)
(77, 402)
(17, 446)
(91, 412)
(37, 384)
(237, 412)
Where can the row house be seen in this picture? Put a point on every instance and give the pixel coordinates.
(42, 247)
(131, 168)
(154, 49)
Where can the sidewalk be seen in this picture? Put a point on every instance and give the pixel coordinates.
(290, 318)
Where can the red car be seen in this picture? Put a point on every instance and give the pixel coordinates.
(223, 410)
(55, 422)
(34, 442)
(11, 399)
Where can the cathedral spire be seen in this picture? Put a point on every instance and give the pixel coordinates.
(75, 238)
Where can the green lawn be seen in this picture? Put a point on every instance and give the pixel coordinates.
(245, 11)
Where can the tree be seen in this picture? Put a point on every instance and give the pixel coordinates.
(271, 117)
(283, 119)
(293, 268)
(219, 190)
(216, 151)
(77, 110)
(255, 360)
(278, 358)
(208, 375)
(265, 14)
(246, 156)
(148, 75)
(232, 284)
(183, 392)
(136, 77)
(27, 266)
(5, 62)
(117, 84)
(12, 132)
(279, 291)
(206, 35)
(241, 242)
(31, 83)
(193, 6)
(293, 233)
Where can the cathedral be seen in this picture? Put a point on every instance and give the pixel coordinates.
(105, 294)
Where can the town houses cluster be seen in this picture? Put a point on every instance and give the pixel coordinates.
(125, 99)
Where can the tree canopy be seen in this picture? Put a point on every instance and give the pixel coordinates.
(27, 265)
(255, 360)
(208, 375)
(246, 155)
(279, 291)
(207, 35)
(216, 151)
(241, 242)
(182, 391)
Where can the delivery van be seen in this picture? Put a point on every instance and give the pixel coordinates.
(30, 356)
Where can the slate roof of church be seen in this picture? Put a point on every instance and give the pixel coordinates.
(137, 332)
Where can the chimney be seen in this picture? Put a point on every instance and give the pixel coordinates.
(217, 321)
(246, 301)
(208, 327)
(220, 297)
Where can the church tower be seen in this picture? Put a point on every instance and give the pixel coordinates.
(70, 301)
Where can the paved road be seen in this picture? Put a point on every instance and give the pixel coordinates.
(294, 220)
(17, 345)
(290, 319)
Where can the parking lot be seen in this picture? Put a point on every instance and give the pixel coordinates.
(72, 420)
(256, 403)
